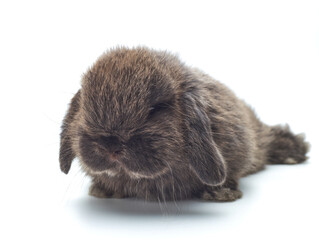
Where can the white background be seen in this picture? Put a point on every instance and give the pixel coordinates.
(266, 51)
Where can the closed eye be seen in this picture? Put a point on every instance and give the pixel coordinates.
(159, 107)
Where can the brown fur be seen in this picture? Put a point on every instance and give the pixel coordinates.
(145, 125)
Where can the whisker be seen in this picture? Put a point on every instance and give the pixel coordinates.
(163, 194)
(173, 183)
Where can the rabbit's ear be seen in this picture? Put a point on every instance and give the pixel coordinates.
(204, 157)
(66, 152)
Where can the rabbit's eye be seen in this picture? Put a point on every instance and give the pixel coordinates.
(159, 107)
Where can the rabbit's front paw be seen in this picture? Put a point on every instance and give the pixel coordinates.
(222, 195)
(97, 191)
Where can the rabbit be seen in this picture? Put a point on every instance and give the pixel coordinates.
(144, 125)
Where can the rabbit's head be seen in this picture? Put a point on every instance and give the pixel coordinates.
(139, 112)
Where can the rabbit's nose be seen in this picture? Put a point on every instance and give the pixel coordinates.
(115, 156)
(115, 148)
(116, 151)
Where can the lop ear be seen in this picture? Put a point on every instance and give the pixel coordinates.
(66, 152)
(204, 157)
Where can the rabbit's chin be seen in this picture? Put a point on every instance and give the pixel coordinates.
(131, 174)
(143, 173)
(139, 175)
(119, 168)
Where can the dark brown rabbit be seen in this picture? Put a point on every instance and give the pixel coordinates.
(145, 125)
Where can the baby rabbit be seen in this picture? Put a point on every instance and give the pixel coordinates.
(145, 125)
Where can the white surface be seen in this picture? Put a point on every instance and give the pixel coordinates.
(268, 53)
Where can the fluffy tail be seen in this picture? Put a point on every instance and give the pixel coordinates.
(286, 147)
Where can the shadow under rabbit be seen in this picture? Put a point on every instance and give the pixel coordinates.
(138, 208)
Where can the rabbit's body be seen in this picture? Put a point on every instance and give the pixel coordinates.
(145, 125)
